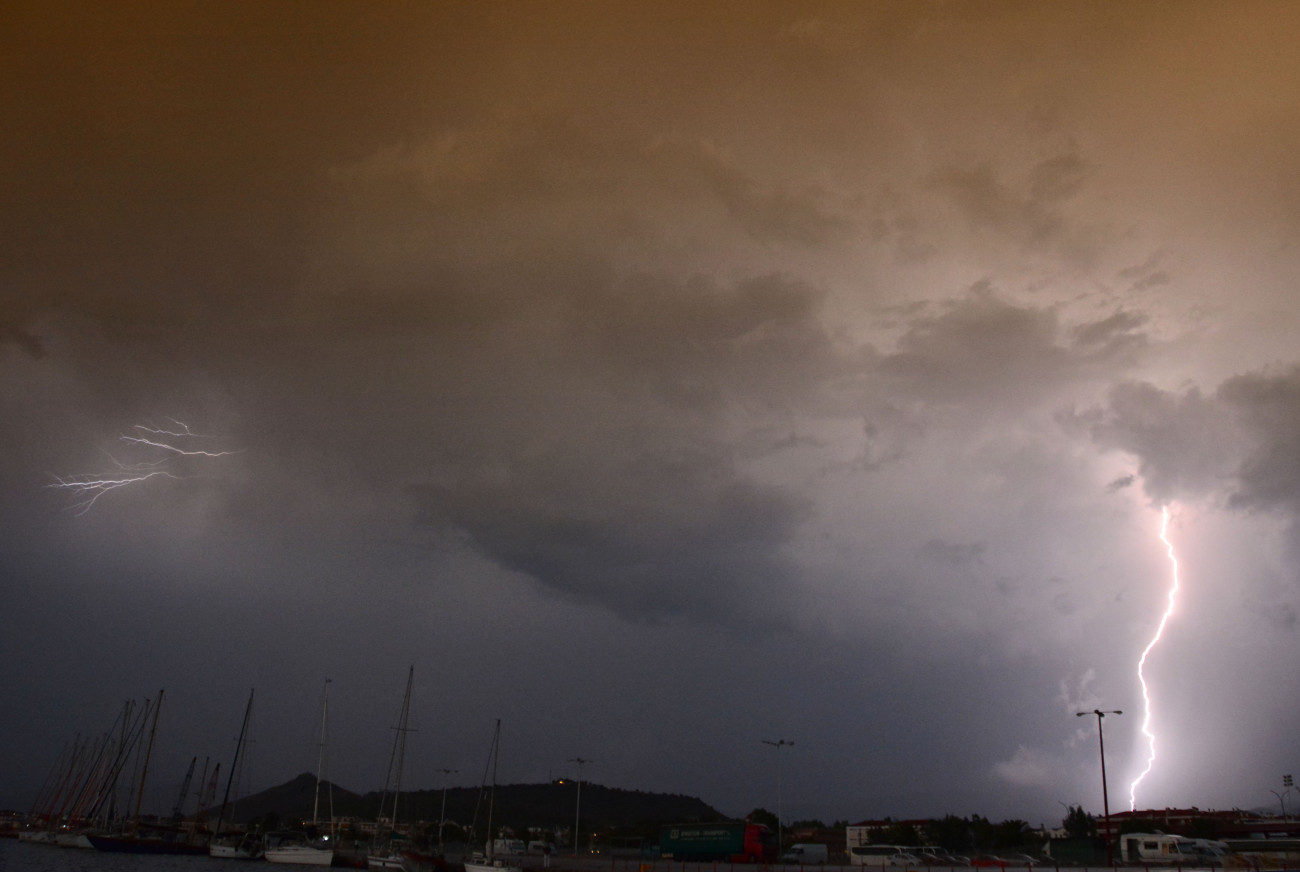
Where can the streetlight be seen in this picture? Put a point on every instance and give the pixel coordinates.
(1287, 784)
(1105, 798)
(577, 806)
(442, 816)
(778, 745)
(1281, 801)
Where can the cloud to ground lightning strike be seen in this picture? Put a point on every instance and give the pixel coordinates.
(1146, 696)
(88, 487)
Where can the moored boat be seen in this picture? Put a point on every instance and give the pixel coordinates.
(235, 846)
(300, 851)
(137, 844)
(76, 839)
(38, 837)
(388, 853)
(486, 861)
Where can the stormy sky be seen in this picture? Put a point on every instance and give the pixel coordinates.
(658, 378)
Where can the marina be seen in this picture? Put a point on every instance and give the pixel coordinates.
(24, 857)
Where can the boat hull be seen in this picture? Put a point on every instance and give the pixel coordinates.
(125, 845)
(234, 852)
(492, 865)
(72, 840)
(37, 837)
(300, 855)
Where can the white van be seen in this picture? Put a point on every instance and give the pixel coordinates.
(883, 855)
(1171, 850)
(804, 852)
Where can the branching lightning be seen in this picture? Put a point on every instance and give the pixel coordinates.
(88, 487)
(1160, 629)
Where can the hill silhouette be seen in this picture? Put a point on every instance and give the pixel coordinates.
(539, 805)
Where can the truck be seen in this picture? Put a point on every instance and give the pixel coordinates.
(804, 853)
(728, 841)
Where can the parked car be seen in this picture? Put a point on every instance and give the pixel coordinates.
(883, 855)
(935, 856)
(1022, 860)
(990, 860)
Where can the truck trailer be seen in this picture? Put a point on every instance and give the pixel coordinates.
(729, 841)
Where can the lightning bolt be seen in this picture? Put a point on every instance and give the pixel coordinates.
(1142, 661)
(88, 487)
(185, 432)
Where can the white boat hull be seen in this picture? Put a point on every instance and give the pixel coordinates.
(492, 865)
(234, 852)
(39, 837)
(73, 840)
(300, 855)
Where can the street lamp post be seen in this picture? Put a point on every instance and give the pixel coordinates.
(442, 815)
(1105, 797)
(1281, 801)
(577, 806)
(778, 745)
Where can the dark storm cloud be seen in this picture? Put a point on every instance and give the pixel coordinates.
(1268, 406)
(22, 339)
(1029, 209)
(625, 494)
(983, 349)
(767, 213)
(1146, 275)
(954, 553)
(1236, 444)
(695, 343)
(1186, 443)
(1122, 482)
(648, 537)
(1118, 333)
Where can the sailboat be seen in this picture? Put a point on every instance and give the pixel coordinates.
(486, 862)
(235, 846)
(141, 838)
(298, 850)
(391, 856)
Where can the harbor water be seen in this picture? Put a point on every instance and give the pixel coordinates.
(18, 856)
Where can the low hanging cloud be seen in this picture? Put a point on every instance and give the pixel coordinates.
(992, 359)
(1268, 408)
(620, 485)
(1235, 446)
(1028, 767)
(648, 537)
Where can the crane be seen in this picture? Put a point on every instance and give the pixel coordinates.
(177, 817)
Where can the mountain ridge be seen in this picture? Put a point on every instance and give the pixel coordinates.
(548, 805)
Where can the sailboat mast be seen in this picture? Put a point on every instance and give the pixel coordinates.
(239, 746)
(320, 759)
(144, 770)
(401, 741)
(492, 796)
